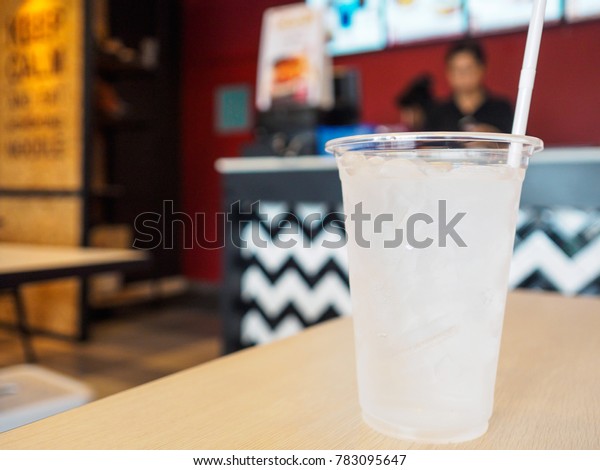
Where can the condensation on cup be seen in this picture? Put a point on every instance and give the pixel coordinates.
(431, 222)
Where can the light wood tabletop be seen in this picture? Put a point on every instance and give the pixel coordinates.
(38, 262)
(26, 263)
(300, 393)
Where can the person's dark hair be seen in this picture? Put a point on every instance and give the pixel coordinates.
(469, 46)
(418, 93)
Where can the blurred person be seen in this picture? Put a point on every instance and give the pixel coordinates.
(471, 107)
(415, 103)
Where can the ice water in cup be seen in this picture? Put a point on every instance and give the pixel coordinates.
(431, 222)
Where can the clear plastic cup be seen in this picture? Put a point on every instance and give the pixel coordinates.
(430, 219)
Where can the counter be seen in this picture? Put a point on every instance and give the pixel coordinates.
(272, 292)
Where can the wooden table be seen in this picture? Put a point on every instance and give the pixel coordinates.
(300, 393)
(21, 264)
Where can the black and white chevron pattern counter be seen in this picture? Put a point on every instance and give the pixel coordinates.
(559, 250)
(271, 292)
(284, 290)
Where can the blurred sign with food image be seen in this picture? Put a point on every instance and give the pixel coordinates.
(290, 80)
(498, 15)
(353, 25)
(418, 20)
(294, 68)
(578, 10)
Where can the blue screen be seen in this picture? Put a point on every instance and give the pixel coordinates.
(353, 25)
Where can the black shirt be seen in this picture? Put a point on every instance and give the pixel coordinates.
(495, 111)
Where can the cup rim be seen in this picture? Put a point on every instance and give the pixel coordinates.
(357, 142)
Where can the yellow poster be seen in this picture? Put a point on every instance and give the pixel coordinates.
(41, 144)
(41, 94)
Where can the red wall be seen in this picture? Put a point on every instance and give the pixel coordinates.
(221, 47)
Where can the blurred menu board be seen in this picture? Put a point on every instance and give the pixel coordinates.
(293, 67)
(41, 75)
(496, 15)
(414, 20)
(578, 10)
(353, 25)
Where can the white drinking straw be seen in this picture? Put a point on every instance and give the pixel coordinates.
(532, 49)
